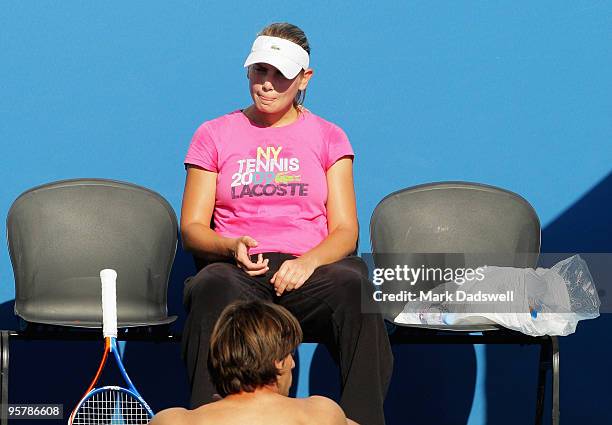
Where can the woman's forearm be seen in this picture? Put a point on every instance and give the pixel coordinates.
(337, 245)
(203, 241)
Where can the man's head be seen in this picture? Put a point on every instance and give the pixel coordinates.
(251, 346)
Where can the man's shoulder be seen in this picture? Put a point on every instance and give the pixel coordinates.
(326, 409)
(323, 402)
(174, 415)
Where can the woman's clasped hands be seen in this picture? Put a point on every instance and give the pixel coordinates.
(291, 274)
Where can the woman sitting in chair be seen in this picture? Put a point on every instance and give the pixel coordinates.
(277, 182)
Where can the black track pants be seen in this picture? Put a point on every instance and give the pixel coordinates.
(328, 307)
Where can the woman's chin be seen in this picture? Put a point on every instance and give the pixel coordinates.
(262, 106)
(272, 107)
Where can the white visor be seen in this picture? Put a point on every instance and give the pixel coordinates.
(285, 55)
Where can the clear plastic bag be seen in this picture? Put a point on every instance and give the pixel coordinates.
(545, 301)
(580, 287)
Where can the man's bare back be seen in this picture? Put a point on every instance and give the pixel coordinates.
(261, 407)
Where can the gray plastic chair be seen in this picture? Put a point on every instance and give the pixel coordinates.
(61, 234)
(462, 224)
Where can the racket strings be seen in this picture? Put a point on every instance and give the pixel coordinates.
(111, 407)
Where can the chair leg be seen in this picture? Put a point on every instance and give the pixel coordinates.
(4, 361)
(555, 380)
(544, 365)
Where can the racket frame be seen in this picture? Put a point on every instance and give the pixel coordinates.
(110, 345)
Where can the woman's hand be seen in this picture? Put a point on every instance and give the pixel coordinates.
(292, 274)
(240, 252)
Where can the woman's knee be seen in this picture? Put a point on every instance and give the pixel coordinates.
(217, 280)
(350, 271)
(348, 274)
(348, 283)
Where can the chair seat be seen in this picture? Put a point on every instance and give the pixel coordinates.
(61, 234)
(96, 324)
(456, 328)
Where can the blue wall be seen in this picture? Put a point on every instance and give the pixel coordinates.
(514, 94)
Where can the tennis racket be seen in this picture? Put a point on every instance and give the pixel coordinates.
(110, 404)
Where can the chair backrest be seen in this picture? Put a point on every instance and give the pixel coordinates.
(473, 224)
(60, 236)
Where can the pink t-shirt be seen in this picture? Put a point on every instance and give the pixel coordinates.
(271, 181)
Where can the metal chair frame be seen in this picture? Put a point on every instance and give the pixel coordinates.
(485, 334)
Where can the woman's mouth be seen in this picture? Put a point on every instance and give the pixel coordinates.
(266, 99)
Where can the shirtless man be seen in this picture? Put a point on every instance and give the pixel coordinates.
(250, 361)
